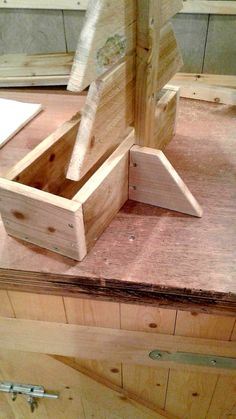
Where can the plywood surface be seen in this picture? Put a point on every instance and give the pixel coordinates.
(147, 251)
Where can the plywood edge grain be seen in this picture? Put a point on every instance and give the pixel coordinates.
(116, 290)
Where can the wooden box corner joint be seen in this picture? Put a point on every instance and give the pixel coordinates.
(65, 192)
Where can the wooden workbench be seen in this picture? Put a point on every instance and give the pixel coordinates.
(147, 255)
(152, 272)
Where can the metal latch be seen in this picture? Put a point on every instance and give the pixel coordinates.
(31, 392)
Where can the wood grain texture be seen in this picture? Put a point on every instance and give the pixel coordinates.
(79, 394)
(200, 91)
(190, 393)
(108, 112)
(105, 192)
(99, 314)
(154, 181)
(147, 66)
(148, 383)
(6, 309)
(209, 7)
(45, 4)
(208, 79)
(166, 115)
(37, 307)
(107, 36)
(170, 58)
(43, 219)
(97, 343)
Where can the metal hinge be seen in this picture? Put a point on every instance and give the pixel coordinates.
(194, 359)
(31, 392)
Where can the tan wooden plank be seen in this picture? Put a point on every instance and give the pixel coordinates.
(6, 309)
(154, 181)
(45, 4)
(165, 115)
(209, 7)
(208, 79)
(189, 394)
(105, 192)
(147, 66)
(204, 325)
(44, 219)
(149, 383)
(107, 344)
(33, 65)
(223, 402)
(109, 99)
(170, 59)
(38, 307)
(100, 314)
(200, 91)
(109, 33)
(124, 393)
(147, 319)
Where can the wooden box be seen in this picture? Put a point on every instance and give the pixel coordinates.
(39, 205)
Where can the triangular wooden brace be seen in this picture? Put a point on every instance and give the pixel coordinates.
(154, 181)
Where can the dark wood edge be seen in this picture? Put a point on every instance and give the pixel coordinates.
(112, 289)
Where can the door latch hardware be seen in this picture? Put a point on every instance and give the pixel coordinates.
(193, 359)
(31, 393)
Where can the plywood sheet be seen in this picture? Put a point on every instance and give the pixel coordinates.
(14, 116)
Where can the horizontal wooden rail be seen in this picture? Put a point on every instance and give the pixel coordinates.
(190, 6)
(108, 344)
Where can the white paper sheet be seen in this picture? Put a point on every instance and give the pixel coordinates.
(15, 115)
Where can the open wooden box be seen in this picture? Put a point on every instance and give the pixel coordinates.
(40, 205)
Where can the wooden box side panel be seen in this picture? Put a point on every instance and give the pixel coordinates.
(48, 221)
(105, 192)
(45, 166)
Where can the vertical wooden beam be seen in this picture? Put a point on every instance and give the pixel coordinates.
(148, 22)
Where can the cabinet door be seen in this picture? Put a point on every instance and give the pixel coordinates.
(80, 397)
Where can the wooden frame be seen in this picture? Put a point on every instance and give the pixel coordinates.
(98, 343)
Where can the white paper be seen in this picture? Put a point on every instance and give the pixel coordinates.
(15, 115)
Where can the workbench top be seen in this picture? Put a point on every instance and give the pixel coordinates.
(147, 255)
